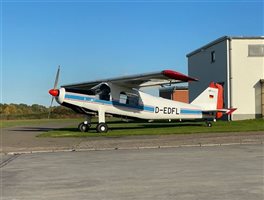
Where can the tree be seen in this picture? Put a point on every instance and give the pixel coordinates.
(10, 110)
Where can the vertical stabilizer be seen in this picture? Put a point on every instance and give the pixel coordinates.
(211, 98)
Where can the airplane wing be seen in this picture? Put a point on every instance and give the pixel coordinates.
(138, 81)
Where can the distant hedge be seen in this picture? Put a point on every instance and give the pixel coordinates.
(35, 111)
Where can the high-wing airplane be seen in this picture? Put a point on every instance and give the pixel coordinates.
(122, 97)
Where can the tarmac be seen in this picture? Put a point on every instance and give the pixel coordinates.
(189, 167)
(22, 139)
(232, 172)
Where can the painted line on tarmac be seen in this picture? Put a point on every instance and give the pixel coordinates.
(130, 148)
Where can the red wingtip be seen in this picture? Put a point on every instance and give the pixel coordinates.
(54, 92)
(178, 76)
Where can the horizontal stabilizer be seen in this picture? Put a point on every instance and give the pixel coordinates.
(227, 111)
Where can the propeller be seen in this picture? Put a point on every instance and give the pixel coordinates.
(54, 92)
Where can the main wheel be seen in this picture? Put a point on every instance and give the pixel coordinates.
(102, 128)
(208, 124)
(83, 127)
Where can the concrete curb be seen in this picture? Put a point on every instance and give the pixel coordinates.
(130, 148)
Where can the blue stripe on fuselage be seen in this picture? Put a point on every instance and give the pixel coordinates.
(191, 112)
(137, 107)
(114, 103)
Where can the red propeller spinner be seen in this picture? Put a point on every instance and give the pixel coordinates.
(54, 92)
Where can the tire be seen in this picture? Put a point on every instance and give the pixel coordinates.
(83, 127)
(208, 124)
(102, 128)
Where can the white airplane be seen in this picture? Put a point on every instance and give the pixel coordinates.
(122, 97)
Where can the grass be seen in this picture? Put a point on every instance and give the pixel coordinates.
(119, 129)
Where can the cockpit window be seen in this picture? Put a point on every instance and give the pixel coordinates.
(102, 91)
(105, 92)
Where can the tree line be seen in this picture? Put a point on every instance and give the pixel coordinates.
(35, 111)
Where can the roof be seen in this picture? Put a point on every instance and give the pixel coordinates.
(221, 39)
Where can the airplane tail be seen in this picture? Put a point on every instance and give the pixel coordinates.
(211, 99)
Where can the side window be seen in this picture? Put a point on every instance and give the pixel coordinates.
(129, 98)
(123, 98)
(133, 100)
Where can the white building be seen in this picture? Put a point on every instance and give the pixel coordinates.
(238, 64)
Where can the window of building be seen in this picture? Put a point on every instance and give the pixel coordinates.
(256, 50)
(212, 56)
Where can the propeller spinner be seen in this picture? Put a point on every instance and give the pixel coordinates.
(54, 92)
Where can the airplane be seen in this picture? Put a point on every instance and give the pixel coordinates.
(122, 96)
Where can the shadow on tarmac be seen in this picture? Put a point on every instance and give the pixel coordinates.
(134, 127)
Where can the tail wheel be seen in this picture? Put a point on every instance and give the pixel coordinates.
(83, 127)
(102, 128)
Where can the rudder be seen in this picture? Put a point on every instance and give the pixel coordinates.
(211, 98)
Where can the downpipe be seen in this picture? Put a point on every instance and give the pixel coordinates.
(262, 97)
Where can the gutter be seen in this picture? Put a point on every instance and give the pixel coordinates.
(221, 39)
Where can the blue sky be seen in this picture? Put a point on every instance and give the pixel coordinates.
(93, 40)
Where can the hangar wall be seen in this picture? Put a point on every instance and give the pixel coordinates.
(245, 74)
(202, 67)
(237, 63)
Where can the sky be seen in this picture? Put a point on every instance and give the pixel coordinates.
(103, 39)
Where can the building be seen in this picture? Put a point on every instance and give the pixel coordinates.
(179, 93)
(238, 64)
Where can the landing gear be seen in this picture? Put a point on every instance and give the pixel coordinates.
(102, 128)
(208, 124)
(84, 126)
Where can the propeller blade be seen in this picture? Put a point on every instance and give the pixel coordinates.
(51, 103)
(57, 78)
(55, 87)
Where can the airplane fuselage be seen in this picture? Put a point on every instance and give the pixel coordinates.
(156, 107)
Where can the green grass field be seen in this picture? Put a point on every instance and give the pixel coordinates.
(118, 128)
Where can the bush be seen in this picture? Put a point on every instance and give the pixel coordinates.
(35, 111)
